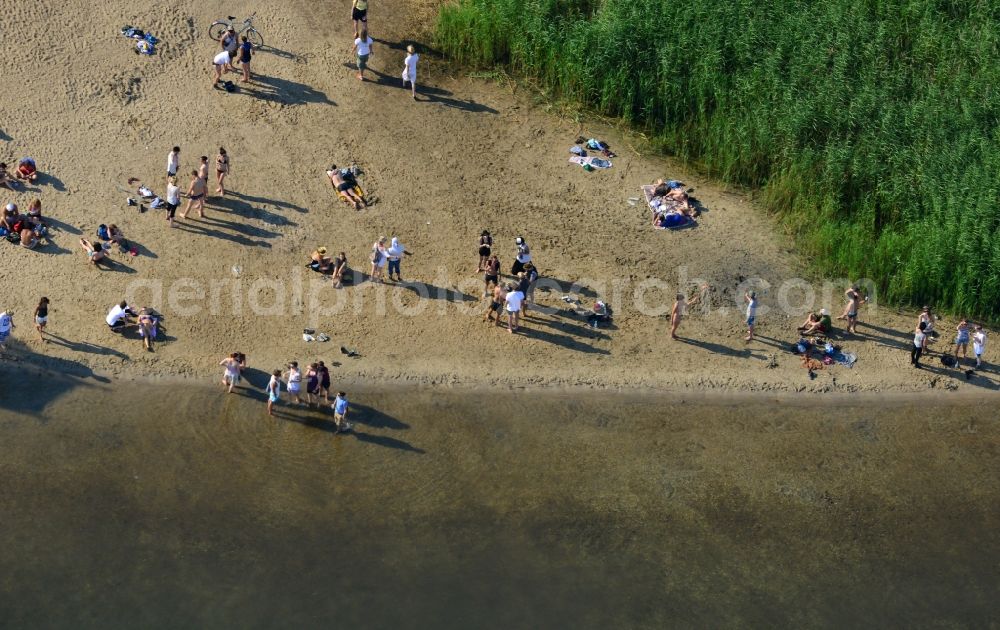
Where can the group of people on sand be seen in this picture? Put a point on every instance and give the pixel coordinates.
(41, 317)
(670, 204)
(510, 299)
(27, 229)
(925, 334)
(232, 50)
(26, 171)
(145, 320)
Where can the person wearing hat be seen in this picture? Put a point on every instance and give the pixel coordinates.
(854, 301)
(522, 258)
(751, 300)
(320, 262)
(10, 217)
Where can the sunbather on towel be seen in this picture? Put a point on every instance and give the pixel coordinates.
(345, 186)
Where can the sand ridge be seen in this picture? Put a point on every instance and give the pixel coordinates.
(470, 155)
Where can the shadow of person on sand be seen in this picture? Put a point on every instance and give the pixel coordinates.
(422, 49)
(263, 200)
(371, 417)
(206, 227)
(50, 180)
(249, 211)
(84, 347)
(62, 375)
(425, 93)
(283, 91)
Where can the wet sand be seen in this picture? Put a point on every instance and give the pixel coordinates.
(156, 506)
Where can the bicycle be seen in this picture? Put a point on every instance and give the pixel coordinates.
(219, 27)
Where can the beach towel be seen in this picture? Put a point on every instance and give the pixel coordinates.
(575, 150)
(673, 220)
(847, 359)
(592, 162)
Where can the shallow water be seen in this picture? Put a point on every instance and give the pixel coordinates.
(173, 506)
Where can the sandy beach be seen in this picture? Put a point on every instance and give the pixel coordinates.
(470, 154)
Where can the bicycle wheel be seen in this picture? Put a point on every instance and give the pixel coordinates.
(254, 37)
(217, 30)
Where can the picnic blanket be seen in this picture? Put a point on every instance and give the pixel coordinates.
(591, 161)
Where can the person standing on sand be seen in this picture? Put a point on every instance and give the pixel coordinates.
(514, 300)
(378, 259)
(927, 317)
(522, 257)
(231, 375)
(410, 70)
(359, 15)
(196, 195)
(751, 299)
(363, 50)
(680, 310)
(273, 391)
(246, 55)
(293, 382)
(394, 255)
(854, 302)
(491, 273)
(340, 408)
(173, 162)
(485, 249)
(41, 317)
(978, 345)
(173, 199)
(221, 170)
(919, 344)
(219, 62)
(230, 43)
(312, 384)
(496, 303)
(962, 338)
(6, 325)
(203, 168)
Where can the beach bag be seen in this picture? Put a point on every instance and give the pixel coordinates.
(948, 361)
(102, 232)
(144, 47)
(13, 237)
(229, 86)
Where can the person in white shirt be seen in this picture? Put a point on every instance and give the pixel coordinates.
(173, 161)
(173, 199)
(395, 254)
(118, 315)
(230, 43)
(751, 300)
(410, 70)
(6, 324)
(220, 62)
(514, 300)
(978, 345)
(363, 49)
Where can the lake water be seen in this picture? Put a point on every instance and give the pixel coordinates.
(140, 505)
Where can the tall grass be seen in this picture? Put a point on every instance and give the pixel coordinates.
(871, 126)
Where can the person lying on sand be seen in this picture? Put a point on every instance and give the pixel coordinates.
(147, 328)
(345, 186)
(95, 253)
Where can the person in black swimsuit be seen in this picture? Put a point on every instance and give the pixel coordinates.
(485, 247)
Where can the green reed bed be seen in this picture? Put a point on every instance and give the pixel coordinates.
(870, 126)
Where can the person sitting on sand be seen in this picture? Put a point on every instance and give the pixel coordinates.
(601, 313)
(26, 169)
(339, 267)
(817, 323)
(116, 236)
(119, 315)
(28, 238)
(5, 181)
(345, 186)
(320, 262)
(10, 217)
(96, 254)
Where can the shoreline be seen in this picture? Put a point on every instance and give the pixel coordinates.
(696, 393)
